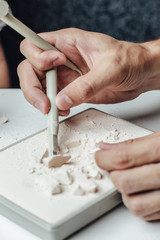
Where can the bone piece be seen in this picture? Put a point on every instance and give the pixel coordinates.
(48, 184)
(91, 187)
(73, 144)
(45, 155)
(92, 172)
(64, 177)
(64, 150)
(31, 170)
(85, 187)
(79, 191)
(3, 120)
(55, 161)
(88, 185)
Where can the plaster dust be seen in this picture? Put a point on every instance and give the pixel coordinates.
(54, 161)
(50, 193)
(3, 120)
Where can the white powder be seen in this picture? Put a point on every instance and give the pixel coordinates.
(28, 182)
(78, 172)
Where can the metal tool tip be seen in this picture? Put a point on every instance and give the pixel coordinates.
(55, 145)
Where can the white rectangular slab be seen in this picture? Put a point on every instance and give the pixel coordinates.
(57, 216)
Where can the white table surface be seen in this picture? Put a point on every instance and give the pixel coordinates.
(24, 120)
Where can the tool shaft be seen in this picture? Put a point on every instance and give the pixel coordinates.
(51, 78)
(27, 33)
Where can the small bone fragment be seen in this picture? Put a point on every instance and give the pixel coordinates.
(48, 184)
(3, 120)
(45, 155)
(79, 191)
(92, 173)
(73, 144)
(64, 150)
(31, 170)
(90, 187)
(95, 174)
(55, 161)
(64, 177)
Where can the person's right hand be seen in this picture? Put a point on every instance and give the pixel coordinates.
(113, 71)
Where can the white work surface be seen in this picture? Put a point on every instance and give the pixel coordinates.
(24, 120)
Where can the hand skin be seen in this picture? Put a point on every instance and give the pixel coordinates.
(113, 71)
(4, 73)
(134, 168)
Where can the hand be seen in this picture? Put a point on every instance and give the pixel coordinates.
(134, 168)
(4, 73)
(113, 71)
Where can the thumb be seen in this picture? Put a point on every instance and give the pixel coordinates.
(80, 90)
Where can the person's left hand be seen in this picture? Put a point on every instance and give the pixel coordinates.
(4, 72)
(134, 168)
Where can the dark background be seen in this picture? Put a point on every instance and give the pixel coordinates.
(130, 20)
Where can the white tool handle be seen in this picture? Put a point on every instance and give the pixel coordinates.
(26, 32)
(53, 123)
(51, 78)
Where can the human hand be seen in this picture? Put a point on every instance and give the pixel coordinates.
(113, 71)
(4, 73)
(134, 168)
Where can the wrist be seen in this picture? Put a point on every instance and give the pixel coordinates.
(153, 65)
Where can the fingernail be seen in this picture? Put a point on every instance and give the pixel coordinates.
(56, 62)
(63, 102)
(61, 113)
(106, 146)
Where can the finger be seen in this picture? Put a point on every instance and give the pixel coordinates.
(143, 204)
(32, 88)
(136, 153)
(107, 146)
(42, 60)
(152, 217)
(64, 113)
(137, 179)
(67, 41)
(87, 86)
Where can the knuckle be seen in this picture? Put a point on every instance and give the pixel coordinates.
(22, 44)
(72, 29)
(136, 207)
(122, 160)
(40, 61)
(123, 184)
(86, 89)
